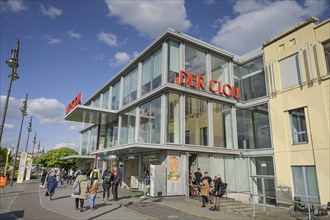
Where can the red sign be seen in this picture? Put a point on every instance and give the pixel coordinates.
(214, 85)
(74, 103)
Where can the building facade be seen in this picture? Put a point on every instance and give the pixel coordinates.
(298, 65)
(183, 104)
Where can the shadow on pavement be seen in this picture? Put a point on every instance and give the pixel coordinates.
(61, 197)
(12, 215)
(111, 210)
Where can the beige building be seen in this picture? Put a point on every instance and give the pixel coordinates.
(297, 64)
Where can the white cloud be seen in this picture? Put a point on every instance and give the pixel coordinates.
(9, 126)
(13, 6)
(109, 39)
(71, 145)
(99, 57)
(122, 58)
(73, 34)
(259, 20)
(75, 127)
(151, 18)
(52, 40)
(51, 11)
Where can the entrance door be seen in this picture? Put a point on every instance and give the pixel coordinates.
(131, 169)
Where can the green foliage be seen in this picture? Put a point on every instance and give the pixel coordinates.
(52, 158)
(3, 155)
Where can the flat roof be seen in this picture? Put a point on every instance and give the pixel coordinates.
(78, 157)
(92, 115)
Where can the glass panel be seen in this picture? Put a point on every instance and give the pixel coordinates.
(250, 78)
(134, 84)
(219, 70)
(194, 61)
(230, 178)
(146, 76)
(327, 55)
(219, 166)
(244, 129)
(243, 184)
(222, 133)
(312, 184)
(93, 139)
(173, 62)
(150, 122)
(298, 126)
(127, 90)
(298, 181)
(105, 100)
(157, 71)
(115, 96)
(112, 132)
(173, 118)
(102, 136)
(127, 130)
(84, 143)
(97, 102)
(264, 166)
(196, 118)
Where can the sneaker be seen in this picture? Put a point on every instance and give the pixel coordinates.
(81, 210)
(212, 208)
(93, 209)
(203, 205)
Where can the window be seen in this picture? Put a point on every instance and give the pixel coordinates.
(222, 129)
(130, 85)
(173, 118)
(290, 71)
(127, 130)
(195, 62)
(115, 96)
(152, 72)
(105, 99)
(219, 70)
(250, 78)
(327, 55)
(173, 62)
(305, 183)
(298, 126)
(97, 102)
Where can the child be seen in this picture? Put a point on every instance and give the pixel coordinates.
(92, 194)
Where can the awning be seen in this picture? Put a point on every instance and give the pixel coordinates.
(87, 114)
(85, 157)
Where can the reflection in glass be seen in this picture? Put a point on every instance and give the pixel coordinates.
(105, 99)
(112, 133)
(173, 62)
(150, 116)
(173, 118)
(130, 85)
(196, 121)
(152, 72)
(222, 129)
(115, 96)
(194, 61)
(127, 129)
(219, 70)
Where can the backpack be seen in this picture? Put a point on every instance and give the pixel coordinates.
(94, 175)
(107, 178)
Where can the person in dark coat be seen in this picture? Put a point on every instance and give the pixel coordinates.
(43, 177)
(218, 184)
(107, 178)
(115, 183)
(52, 183)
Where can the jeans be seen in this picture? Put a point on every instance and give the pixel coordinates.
(62, 181)
(115, 192)
(92, 200)
(106, 190)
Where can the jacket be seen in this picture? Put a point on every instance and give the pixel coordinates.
(82, 180)
(51, 183)
(205, 186)
(93, 189)
(91, 175)
(105, 173)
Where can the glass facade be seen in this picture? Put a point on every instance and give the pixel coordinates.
(173, 118)
(105, 99)
(127, 129)
(97, 102)
(222, 128)
(250, 78)
(219, 70)
(173, 62)
(115, 96)
(152, 72)
(253, 131)
(150, 116)
(196, 121)
(130, 87)
(111, 134)
(195, 62)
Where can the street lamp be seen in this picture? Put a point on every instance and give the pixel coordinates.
(38, 155)
(13, 63)
(24, 113)
(29, 128)
(34, 142)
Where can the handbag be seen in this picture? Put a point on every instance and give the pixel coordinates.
(76, 190)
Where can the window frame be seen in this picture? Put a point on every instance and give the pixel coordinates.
(296, 133)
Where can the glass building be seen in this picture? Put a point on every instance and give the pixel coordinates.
(180, 105)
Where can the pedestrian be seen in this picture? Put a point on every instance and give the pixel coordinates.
(115, 183)
(205, 188)
(43, 177)
(62, 176)
(77, 173)
(58, 178)
(51, 183)
(95, 175)
(198, 176)
(107, 178)
(218, 184)
(70, 176)
(81, 180)
(92, 194)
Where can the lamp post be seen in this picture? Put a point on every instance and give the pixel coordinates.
(13, 63)
(24, 113)
(29, 129)
(34, 143)
(38, 155)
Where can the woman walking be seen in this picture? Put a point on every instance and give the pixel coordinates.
(218, 184)
(51, 184)
(81, 180)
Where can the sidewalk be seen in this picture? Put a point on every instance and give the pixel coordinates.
(27, 201)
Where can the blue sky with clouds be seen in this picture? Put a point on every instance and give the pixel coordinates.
(72, 46)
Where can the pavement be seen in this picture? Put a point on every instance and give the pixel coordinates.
(27, 201)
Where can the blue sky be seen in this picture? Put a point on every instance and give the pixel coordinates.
(69, 47)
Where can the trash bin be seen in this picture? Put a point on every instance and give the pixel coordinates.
(3, 181)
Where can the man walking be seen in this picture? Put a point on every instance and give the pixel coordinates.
(107, 178)
(205, 188)
(95, 175)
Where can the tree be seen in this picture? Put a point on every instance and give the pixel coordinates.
(53, 158)
(3, 156)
